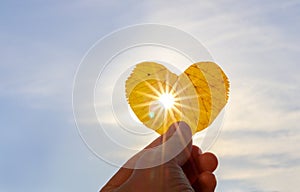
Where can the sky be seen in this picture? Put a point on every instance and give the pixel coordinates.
(43, 42)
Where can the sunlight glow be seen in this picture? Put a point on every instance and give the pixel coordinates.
(167, 100)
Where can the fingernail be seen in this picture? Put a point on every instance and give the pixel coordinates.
(200, 151)
(171, 130)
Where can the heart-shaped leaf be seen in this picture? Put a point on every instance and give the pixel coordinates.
(159, 97)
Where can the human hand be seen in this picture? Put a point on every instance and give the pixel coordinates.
(190, 170)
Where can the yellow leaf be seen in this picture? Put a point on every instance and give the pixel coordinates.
(159, 97)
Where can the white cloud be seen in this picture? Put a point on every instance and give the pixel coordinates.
(260, 138)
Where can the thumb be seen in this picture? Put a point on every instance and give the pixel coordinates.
(182, 140)
(175, 145)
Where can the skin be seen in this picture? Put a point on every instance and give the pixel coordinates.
(190, 170)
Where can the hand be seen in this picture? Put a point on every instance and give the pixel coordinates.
(190, 170)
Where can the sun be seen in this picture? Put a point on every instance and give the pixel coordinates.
(167, 100)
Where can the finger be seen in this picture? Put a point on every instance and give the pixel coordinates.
(176, 147)
(206, 182)
(183, 140)
(199, 163)
(207, 162)
(190, 168)
(196, 151)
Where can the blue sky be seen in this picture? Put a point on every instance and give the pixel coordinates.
(42, 43)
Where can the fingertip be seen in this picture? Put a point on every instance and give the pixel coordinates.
(180, 139)
(182, 124)
(208, 162)
(206, 182)
(164, 137)
(171, 130)
(183, 127)
(196, 151)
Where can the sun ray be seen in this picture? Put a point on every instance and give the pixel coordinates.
(184, 88)
(175, 85)
(186, 97)
(144, 116)
(183, 142)
(166, 84)
(152, 88)
(189, 107)
(172, 115)
(177, 110)
(156, 117)
(147, 95)
(145, 104)
(161, 88)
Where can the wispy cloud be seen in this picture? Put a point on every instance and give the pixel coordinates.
(255, 42)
